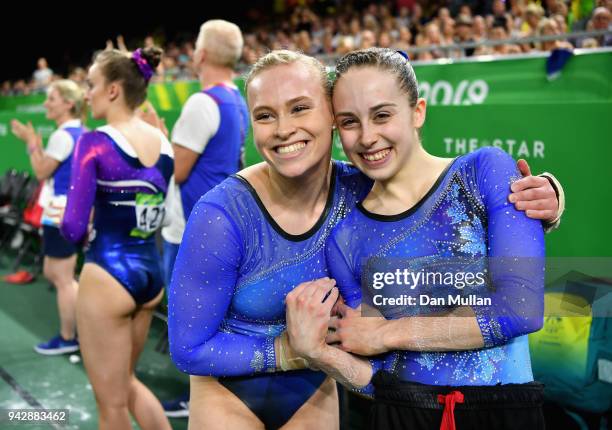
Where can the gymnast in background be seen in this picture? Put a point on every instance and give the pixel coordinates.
(122, 171)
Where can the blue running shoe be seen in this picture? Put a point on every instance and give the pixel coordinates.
(178, 408)
(57, 345)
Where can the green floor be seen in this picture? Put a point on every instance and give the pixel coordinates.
(28, 315)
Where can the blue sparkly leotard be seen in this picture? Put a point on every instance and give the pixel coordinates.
(128, 200)
(226, 301)
(466, 215)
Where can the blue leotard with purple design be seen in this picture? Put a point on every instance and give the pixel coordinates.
(128, 201)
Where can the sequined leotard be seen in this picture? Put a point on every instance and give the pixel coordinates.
(466, 215)
(128, 200)
(227, 296)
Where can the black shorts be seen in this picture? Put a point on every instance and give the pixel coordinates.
(406, 405)
(55, 245)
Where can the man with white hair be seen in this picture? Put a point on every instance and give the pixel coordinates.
(208, 139)
(602, 20)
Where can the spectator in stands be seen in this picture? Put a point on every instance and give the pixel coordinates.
(21, 88)
(549, 27)
(185, 61)
(264, 37)
(447, 28)
(403, 17)
(561, 22)
(42, 75)
(405, 37)
(345, 45)
(590, 43)
(432, 36)
(601, 20)
(304, 43)
(479, 29)
(463, 33)
(499, 32)
(78, 75)
(370, 23)
(169, 69)
(173, 51)
(149, 42)
(7, 89)
(559, 8)
(368, 39)
(465, 10)
(355, 31)
(327, 46)
(499, 10)
(249, 56)
(389, 26)
(417, 21)
(533, 14)
(328, 34)
(443, 13)
(384, 40)
(384, 12)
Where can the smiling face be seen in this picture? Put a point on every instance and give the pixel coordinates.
(291, 118)
(56, 106)
(377, 125)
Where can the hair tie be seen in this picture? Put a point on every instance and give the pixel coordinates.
(143, 66)
(403, 54)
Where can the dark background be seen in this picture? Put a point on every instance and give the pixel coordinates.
(68, 35)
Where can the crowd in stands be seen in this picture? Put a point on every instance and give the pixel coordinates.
(401, 24)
